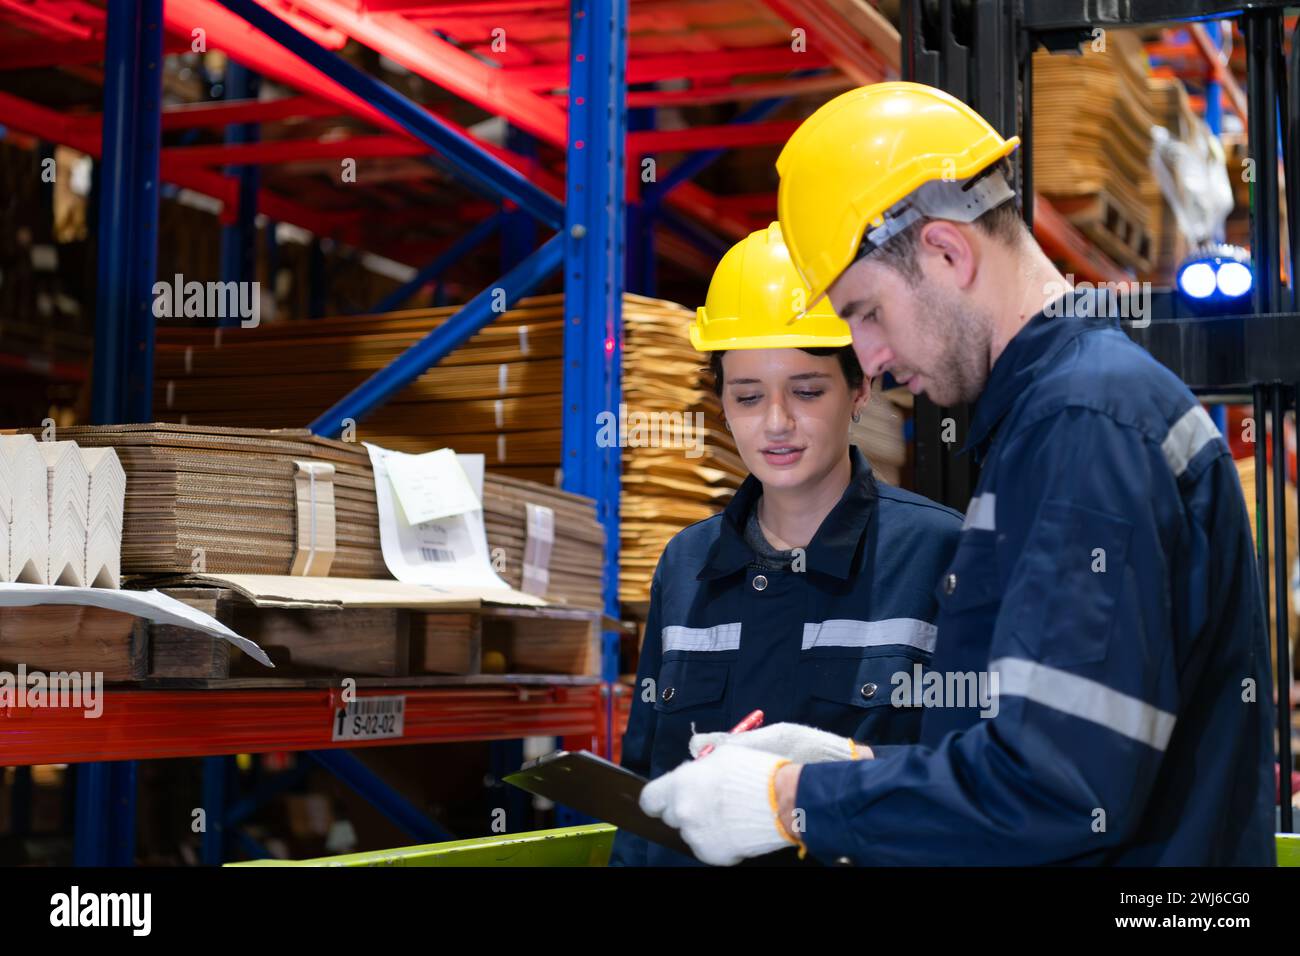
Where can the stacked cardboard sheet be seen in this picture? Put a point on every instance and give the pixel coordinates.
(24, 511)
(232, 500)
(680, 464)
(1092, 145)
(551, 541)
(497, 395)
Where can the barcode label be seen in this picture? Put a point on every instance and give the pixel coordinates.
(437, 554)
(370, 718)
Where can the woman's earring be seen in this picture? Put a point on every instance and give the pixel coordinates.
(726, 424)
(857, 416)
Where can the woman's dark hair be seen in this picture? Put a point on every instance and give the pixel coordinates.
(848, 365)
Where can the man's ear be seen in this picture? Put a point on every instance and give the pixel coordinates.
(946, 247)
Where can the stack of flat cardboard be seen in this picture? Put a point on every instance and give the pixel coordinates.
(1092, 143)
(68, 490)
(552, 544)
(105, 501)
(670, 483)
(497, 395)
(226, 500)
(24, 511)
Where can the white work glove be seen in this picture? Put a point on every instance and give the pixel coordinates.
(720, 804)
(795, 742)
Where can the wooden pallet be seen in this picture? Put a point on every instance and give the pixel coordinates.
(1111, 226)
(309, 647)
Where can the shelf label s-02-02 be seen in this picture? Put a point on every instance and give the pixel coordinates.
(370, 718)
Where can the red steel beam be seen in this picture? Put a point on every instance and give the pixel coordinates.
(835, 36)
(270, 152)
(741, 92)
(152, 724)
(56, 22)
(723, 64)
(82, 133)
(448, 66)
(192, 115)
(724, 135)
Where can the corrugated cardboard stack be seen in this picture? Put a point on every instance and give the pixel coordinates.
(227, 499)
(552, 544)
(497, 395)
(692, 470)
(1092, 143)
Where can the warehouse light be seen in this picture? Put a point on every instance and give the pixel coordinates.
(1216, 272)
(1197, 280)
(1235, 279)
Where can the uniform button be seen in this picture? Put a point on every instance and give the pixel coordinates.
(668, 694)
(843, 861)
(760, 582)
(949, 583)
(868, 690)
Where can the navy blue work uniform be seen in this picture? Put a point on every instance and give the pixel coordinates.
(1106, 575)
(817, 644)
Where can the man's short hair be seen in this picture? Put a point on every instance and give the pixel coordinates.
(1003, 223)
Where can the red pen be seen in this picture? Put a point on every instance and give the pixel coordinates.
(752, 722)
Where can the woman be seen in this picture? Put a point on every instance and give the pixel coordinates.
(816, 585)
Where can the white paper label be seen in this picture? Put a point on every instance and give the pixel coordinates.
(370, 718)
(431, 486)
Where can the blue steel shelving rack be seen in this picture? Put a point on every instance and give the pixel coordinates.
(588, 245)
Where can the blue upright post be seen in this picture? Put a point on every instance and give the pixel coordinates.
(121, 813)
(593, 273)
(90, 844)
(214, 811)
(122, 388)
(239, 239)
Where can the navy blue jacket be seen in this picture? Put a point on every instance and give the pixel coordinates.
(1106, 574)
(818, 644)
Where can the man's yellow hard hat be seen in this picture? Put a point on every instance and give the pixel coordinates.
(756, 300)
(860, 155)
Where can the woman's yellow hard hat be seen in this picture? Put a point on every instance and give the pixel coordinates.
(864, 152)
(756, 300)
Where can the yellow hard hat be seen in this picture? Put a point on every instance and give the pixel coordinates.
(861, 154)
(756, 300)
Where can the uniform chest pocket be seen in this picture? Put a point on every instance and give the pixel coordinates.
(852, 695)
(858, 682)
(971, 581)
(688, 683)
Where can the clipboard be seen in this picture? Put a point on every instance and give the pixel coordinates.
(598, 788)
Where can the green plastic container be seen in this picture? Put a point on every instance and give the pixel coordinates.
(568, 846)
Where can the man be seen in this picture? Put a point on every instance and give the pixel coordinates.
(1105, 581)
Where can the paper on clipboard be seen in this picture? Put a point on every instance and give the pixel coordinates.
(445, 553)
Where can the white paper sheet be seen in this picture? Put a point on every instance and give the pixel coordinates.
(151, 605)
(447, 554)
(431, 486)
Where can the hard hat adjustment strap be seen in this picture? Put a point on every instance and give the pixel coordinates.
(956, 200)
